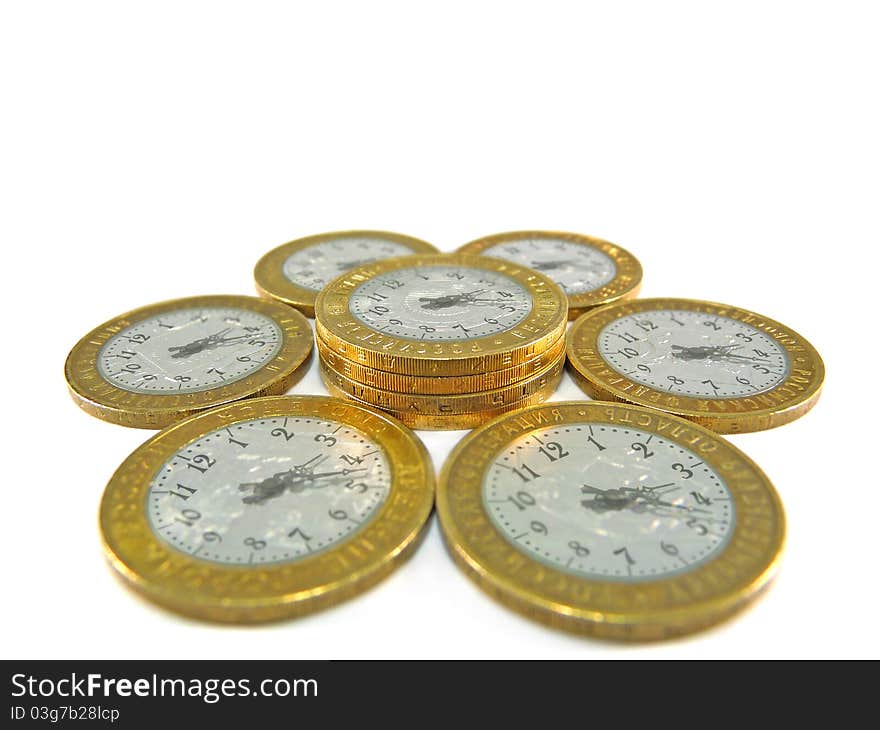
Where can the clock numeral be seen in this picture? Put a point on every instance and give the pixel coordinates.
(596, 443)
(188, 516)
(646, 325)
(376, 297)
(255, 544)
(131, 367)
(714, 325)
(212, 537)
(628, 352)
(710, 384)
(297, 532)
(526, 473)
(393, 284)
(625, 552)
(554, 451)
(338, 514)
(743, 336)
(522, 500)
(356, 487)
(490, 320)
(136, 339)
(579, 549)
(377, 310)
(539, 527)
(761, 369)
(676, 381)
(701, 499)
(201, 463)
(760, 353)
(627, 337)
(698, 527)
(685, 472)
(669, 549)
(395, 321)
(185, 493)
(282, 433)
(328, 440)
(352, 460)
(646, 452)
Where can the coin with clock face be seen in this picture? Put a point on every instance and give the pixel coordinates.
(590, 271)
(441, 303)
(295, 272)
(610, 519)
(159, 363)
(725, 367)
(447, 314)
(258, 509)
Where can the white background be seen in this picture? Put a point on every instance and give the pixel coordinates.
(156, 150)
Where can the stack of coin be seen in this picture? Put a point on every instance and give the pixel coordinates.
(442, 341)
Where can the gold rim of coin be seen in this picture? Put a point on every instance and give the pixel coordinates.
(271, 281)
(423, 385)
(789, 399)
(361, 343)
(246, 593)
(99, 397)
(627, 275)
(652, 609)
(437, 404)
(453, 421)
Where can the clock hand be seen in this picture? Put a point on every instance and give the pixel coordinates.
(346, 265)
(550, 265)
(292, 480)
(448, 300)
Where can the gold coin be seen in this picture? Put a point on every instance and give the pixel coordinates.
(295, 272)
(610, 520)
(437, 404)
(454, 421)
(330, 498)
(160, 363)
(726, 368)
(442, 314)
(590, 271)
(441, 385)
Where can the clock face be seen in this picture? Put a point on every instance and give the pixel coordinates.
(608, 503)
(271, 490)
(577, 268)
(693, 354)
(189, 350)
(314, 266)
(441, 303)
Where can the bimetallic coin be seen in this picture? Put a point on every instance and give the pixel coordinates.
(268, 508)
(609, 519)
(439, 404)
(590, 271)
(424, 385)
(295, 272)
(446, 314)
(437, 418)
(727, 368)
(160, 363)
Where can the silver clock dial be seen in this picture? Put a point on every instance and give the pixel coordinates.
(693, 354)
(576, 268)
(270, 490)
(608, 503)
(441, 303)
(189, 350)
(314, 266)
